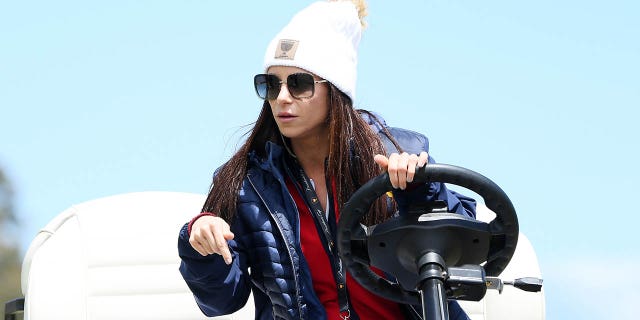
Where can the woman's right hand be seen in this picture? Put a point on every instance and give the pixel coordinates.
(209, 235)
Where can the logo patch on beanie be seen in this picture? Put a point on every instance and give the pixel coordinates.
(286, 49)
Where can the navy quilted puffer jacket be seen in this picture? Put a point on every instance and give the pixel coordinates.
(266, 249)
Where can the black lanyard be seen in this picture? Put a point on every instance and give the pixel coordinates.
(311, 198)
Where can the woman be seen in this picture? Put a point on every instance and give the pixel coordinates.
(268, 224)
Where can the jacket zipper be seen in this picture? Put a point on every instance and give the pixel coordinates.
(295, 276)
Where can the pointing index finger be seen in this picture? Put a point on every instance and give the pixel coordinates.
(221, 244)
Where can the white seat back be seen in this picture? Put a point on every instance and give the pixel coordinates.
(114, 258)
(513, 303)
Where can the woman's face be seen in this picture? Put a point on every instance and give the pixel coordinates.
(300, 118)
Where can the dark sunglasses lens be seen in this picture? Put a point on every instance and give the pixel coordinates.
(267, 86)
(300, 85)
(260, 83)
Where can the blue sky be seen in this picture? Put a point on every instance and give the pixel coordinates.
(102, 98)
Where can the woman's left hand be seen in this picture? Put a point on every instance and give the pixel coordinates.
(401, 167)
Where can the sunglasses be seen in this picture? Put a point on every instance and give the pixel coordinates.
(300, 85)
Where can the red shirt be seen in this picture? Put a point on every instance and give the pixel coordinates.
(366, 304)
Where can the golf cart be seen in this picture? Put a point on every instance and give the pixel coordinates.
(116, 258)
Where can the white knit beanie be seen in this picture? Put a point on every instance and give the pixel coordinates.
(323, 39)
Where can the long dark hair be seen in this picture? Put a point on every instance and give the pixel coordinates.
(352, 147)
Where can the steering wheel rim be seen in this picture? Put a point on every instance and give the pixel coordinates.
(505, 223)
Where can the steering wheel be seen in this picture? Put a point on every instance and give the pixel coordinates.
(355, 247)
